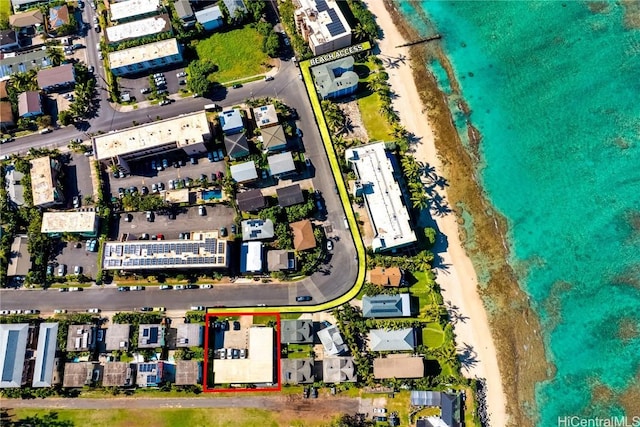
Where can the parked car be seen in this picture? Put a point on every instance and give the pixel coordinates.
(165, 102)
(211, 156)
(62, 270)
(59, 311)
(181, 74)
(329, 245)
(145, 90)
(160, 236)
(303, 298)
(206, 286)
(49, 270)
(77, 270)
(234, 229)
(223, 231)
(165, 287)
(268, 78)
(32, 311)
(161, 186)
(123, 289)
(202, 211)
(165, 163)
(197, 308)
(63, 290)
(191, 286)
(144, 190)
(156, 75)
(75, 289)
(93, 310)
(146, 308)
(237, 86)
(172, 184)
(159, 309)
(179, 287)
(137, 288)
(150, 216)
(298, 132)
(154, 188)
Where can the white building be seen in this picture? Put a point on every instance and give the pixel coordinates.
(188, 132)
(382, 195)
(137, 29)
(126, 10)
(45, 188)
(256, 368)
(77, 222)
(322, 24)
(140, 59)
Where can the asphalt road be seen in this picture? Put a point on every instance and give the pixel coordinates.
(334, 278)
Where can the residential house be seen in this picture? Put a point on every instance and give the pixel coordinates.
(210, 18)
(281, 164)
(19, 258)
(390, 277)
(81, 337)
(141, 59)
(322, 25)
(13, 63)
(251, 257)
(19, 5)
(189, 335)
(149, 374)
(117, 337)
(265, 116)
(46, 190)
(332, 341)
(13, 349)
(184, 12)
(32, 18)
(336, 78)
(290, 195)
(58, 17)
(450, 407)
(250, 200)
(61, 77)
(235, 7)
(273, 139)
(297, 371)
(188, 372)
(150, 336)
(29, 104)
(8, 40)
(386, 306)
(280, 260)
(45, 372)
(231, 121)
(303, 237)
(118, 374)
(398, 366)
(235, 140)
(337, 370)
(392, 340)
(15, 190)
(3, 89)
(257, 229)
(77, 374)
(298, 331)
(6, 115)
(80, 223)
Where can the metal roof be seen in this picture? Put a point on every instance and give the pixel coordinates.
(386, 306)
(13, 346)
(45, 355)
(290, 195)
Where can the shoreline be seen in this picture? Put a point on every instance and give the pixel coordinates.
(506, 339)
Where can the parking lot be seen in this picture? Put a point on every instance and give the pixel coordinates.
(143, 175)
(134, 85)
(72, 254)
(77, 178)
(187, 220)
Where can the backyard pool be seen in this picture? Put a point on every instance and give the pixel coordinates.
(212, 195)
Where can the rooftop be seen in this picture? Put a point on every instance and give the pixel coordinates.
(449, 404)
(237, 145)
(45, 354)
(338, 370)
(13, 62)
(58, 16)
(257, 229)
(144, 53)
(290, 195)
(6, 112)
(250, 200)
(398, 366)
(117, 337)
(297, 371)
(138, 29)
(43, 181)
(251, 257)
(386, 305)
(150, 374)
(81, 337)
(332, 340)
(391, 276)
(19, 259)
(383, 197)
(131, 8)
(324, 19)
(56, 76)
(257, 368)
(29, 102)
(118, 374)
(188, 372)
(296, 331)
(281, 163)
(13, 179)
(231, 121)
(189, 335)
(209, 14)
(392, 340)
(26, 19)
(265, 116)
(13, 346)
(273, 138)
(335, 76)
(183, 131)
(233, 5)
(70, 222)
(77, 374)
(150, 336)
(303, 237)
(278, 260)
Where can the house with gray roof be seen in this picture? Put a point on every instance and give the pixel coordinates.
(8, 40)
(25, 4)
(392, 340)
(189, 335)
(15, 190)
(188, 372)
(386, 306)
(185, 13)
(244, 172)
(150, 336)
(44, 373)
(297, 371)
(29, 104)
(450, 407)
(117, 337)
(332, 341)
(234, 7)
(210, 18)
(281, 164)
(257, 229)
(77, 374)
(118, 374)
(296, 331)
(237, 145)
(336, 78)
(19, 259)
(231, 121)
(13, 348)
(250, 200)
(81, 337)
(280, 260)
(150, 374)
(338, 370)
(290, 195)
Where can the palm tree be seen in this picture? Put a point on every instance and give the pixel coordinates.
(55, 55)
(359, 32)
(419, 201)
(22, 82)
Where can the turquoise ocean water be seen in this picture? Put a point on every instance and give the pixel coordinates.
(554, 88)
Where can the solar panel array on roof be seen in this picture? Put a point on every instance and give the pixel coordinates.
(336, 26)
(321, 5)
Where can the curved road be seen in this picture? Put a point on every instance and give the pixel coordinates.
(334, 278)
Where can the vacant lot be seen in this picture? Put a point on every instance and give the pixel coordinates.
(238, 54)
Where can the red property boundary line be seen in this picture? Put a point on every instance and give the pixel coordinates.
(205, 387)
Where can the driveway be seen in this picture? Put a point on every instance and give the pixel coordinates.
(78, 178)
(71, 255)
(134, 84)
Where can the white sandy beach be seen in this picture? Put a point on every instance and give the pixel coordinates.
(460, 281)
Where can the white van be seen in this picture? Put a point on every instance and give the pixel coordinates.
(45, 130)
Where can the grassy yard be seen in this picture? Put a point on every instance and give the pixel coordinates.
(425, 295)
(5, 10)
(377, 128)
(432, 335)
(172, 417)
(238, 54)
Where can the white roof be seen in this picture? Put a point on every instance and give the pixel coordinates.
(256, 368)
(130, 8)
(230, 120)
(321, 17)
(184, 130)
(244, 171)
(209, 14)
(254, 256)
(137, 29)
(69, 222)
(143, 53)
(265, 115)
(281, 163)
(383, 197)
(43, 187)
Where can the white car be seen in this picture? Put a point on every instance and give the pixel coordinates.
(379, 411)
(137, 288)
(4, 312)
(206, 286)
(181, 74)
(59, 311)
(179, 287)
(329, 245)
(93, 310)
(197, 308)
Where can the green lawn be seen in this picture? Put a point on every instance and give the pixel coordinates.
(247, 417)
(422, 292)
(432, 335)
(238, 54)
(377, 127)
(5, 10)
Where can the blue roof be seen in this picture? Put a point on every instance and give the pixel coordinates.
(231, 121)
(209, 14)
(45, 355)
(13, 345)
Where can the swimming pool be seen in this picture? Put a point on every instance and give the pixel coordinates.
(212, 194)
